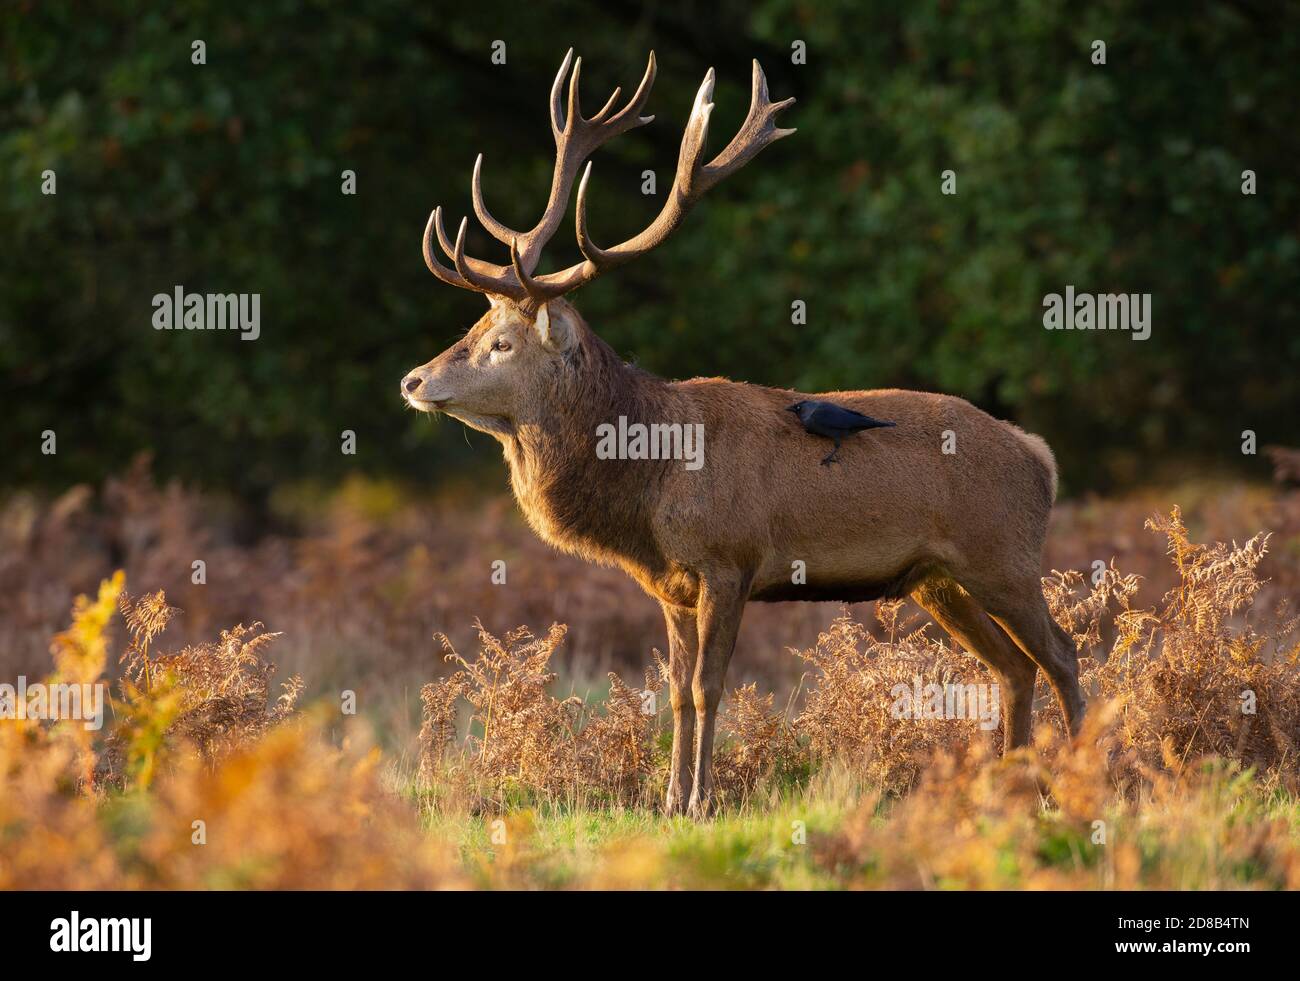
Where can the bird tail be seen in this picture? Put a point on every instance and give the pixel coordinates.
(1042, 453)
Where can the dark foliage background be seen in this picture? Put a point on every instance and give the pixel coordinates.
(226, 178)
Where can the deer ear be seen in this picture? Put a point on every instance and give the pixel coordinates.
(554, 328)
(543, 324)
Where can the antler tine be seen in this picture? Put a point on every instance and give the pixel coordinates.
(573, 117)
(758, 130)
(557, 87)
(536, 291)
(604, 111)
(694, 139)
(494, 228)
(594, 253)
(633, 108)
(448, 276)
(458, 258)
(448, 249)
(484, 270)
(482, 276)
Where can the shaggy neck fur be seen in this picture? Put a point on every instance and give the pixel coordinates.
(600, 509)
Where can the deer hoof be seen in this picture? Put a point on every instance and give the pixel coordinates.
(700, 807)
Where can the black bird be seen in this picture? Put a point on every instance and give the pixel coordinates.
(832, 421)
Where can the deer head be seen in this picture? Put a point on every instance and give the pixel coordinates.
(510, 359)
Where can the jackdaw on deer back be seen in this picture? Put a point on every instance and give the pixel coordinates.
(834, 422)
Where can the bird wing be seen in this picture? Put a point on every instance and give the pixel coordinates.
(838, 417)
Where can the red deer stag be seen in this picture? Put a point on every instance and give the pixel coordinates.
(960, 531)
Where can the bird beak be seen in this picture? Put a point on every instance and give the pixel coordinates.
(792, 408)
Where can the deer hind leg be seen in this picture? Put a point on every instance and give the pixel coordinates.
(1023, 614)
(719, 609)
(683, 641)
(954, 610)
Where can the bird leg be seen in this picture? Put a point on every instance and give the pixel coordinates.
(832, 458)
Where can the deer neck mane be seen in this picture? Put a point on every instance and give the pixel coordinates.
(598, 508)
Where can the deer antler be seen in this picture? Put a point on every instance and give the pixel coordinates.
(576, 138)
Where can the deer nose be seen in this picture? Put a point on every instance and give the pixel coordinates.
(410, 383)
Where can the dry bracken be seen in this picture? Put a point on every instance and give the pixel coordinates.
(521, 737)
(1188, 750)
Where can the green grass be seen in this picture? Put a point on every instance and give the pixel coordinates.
(784, 838)
(762, 843)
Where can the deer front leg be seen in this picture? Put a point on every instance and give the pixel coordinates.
(682, 649)
(718, 611)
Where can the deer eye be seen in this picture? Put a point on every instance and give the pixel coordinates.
(501, 344)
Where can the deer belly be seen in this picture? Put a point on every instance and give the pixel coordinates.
(820, 578)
